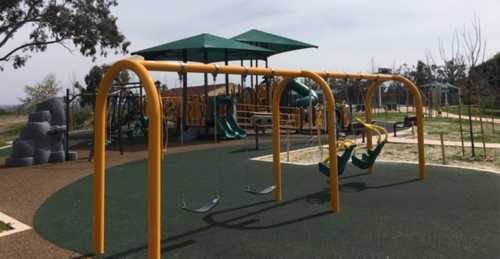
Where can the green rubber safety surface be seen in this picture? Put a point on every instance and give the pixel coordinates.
(391, 214)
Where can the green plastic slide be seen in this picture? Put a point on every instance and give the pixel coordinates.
(307, 95)
(224, 130)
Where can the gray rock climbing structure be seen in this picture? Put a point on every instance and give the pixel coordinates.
(42, 139)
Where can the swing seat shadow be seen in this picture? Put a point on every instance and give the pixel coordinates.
(361, 186)
(249, 217)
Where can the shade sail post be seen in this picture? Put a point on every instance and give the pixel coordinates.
(256, 76)
(242, 79)
(251, 77)
(184, 90)
(205, 90)
(268, 85)
(226, 62)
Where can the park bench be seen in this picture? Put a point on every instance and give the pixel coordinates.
(261, 121)
(408, 122)
(357, 129)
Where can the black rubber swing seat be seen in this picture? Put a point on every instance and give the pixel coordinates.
(342, 160)
(264, 191)
(368, 159)
(205, 208)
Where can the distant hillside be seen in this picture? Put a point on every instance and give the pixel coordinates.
(8, 109)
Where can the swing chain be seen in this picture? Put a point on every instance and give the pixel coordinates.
(181, 72)
(217, 70)
(244, 75)
(183, 200)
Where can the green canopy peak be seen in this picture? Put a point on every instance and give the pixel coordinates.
(271, 41)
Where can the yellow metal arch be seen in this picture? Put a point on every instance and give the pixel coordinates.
(334, 178)
(154, 155)
(420, 118)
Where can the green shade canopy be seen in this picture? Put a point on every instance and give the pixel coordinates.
(271, 41)
(204, 48)
(436, 84)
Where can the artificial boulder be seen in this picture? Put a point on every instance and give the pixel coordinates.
(42, 139)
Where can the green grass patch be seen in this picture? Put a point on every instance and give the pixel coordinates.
(475, 111)
(450, 127)
(12, 132)
(385, 116)
(4, 226)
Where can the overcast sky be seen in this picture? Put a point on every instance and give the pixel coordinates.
(349, 33)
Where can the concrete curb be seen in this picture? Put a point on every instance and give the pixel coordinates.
(16, 226)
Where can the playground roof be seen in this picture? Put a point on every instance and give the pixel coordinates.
(436, 84)
(204, 48)
(271, 41)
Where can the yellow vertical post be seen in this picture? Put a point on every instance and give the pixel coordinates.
(99, 166)
(332, 144)
(368, 116)
(282, 84)
(334, 178)
(154, 157)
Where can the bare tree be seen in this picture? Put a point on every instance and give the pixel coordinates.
(40, 92)
(453, 72)
(474, 50)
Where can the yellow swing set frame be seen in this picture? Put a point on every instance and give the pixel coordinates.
(154, 112)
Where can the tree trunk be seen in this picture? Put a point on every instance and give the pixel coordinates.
(460, 121)
(471, 131)
(482, 127)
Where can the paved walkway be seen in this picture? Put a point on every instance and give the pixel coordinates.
(465, 117)
(454, 115)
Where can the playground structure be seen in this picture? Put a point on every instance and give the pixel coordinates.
(247, 103)
(154, 112)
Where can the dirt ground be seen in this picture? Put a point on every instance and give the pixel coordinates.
(6, 120)
(399, 152)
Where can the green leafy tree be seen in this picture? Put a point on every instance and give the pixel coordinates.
(93, 80)
(40, 92)
(86, 24)
(424, 73)
(452, 72)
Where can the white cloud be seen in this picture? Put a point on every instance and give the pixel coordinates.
(349, 33)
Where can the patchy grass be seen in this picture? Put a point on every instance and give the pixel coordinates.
(11, 132)
(386, 116)
(448, 126)
(451, 130)
(10, 127)
(475, 111)
(4, 226)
